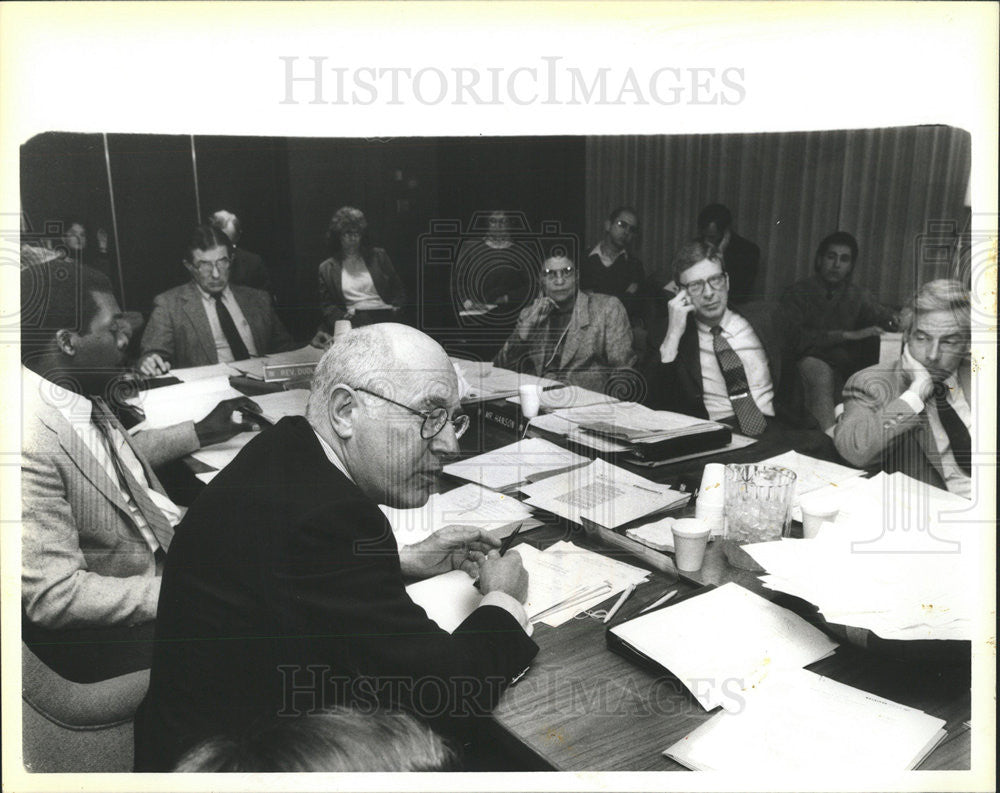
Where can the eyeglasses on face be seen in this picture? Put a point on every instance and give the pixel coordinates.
(622, 224)
(434, 420)
(206, 267)
(552, 275)
(697, 288)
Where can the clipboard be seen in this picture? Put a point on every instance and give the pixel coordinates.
(620, 647)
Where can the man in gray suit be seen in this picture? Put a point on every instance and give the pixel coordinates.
(207, 320)
(578, 337)
(914, 415)
(96, 520)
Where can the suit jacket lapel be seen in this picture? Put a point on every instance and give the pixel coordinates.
(81, 457)
(194, 310)
(580, 319)
(689, 356)
(252, 317)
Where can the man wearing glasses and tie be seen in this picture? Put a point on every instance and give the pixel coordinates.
(208, 320)
(720, 364)
(578, 337)
(284, 589)
(914, 414)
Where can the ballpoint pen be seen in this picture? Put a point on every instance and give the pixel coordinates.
(620, 603)
(659, 602)
(509, 539)
(576, 597)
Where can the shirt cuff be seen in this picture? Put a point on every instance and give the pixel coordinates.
(510, 605)
(914, 401)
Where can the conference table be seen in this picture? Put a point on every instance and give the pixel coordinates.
(581, 707)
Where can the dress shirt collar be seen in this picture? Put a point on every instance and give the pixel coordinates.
(725, 323)
(599, 250)
(331, 455)
(227, 293)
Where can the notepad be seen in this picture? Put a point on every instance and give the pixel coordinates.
(724, 642)
(798, 721)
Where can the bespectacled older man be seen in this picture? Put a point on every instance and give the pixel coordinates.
(284, 588)
(208, 320)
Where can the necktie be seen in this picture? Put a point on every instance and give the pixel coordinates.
(748, 415)
(954, 427)
(158, 524)
(233, 339)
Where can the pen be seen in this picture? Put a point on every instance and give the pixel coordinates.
(505, 545)
(659, 602)
(620, 603)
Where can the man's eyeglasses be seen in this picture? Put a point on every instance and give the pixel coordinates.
(552, 275)
(626, 226)
(697, 288)
(434, 420)
(206, 267)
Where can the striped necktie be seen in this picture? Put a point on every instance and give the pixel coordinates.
(748, 415)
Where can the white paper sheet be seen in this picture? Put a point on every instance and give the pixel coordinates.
(447, 598)
(192, 373)
(468, 505)
(725, 641)
(283, 403)
(847, 728)
(515, 463)
(188, 401)
(221, 454)
(812, 475)
(603, 494)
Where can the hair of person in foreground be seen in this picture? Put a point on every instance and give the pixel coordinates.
(340, 739)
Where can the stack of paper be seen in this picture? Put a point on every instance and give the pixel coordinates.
(490, 382)
(897, 561)
(812, 475)
(191, 373)
(514, 464)
(190, 401)
(569, 396)
(602, 494)
(565, 573)
(846, 728)
(469, 505)
(724, 642)
(283, 403)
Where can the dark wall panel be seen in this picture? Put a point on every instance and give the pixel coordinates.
(154, 198)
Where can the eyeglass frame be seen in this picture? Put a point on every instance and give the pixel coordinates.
(566, 272)
(633, 227)
(697, 288)
(427, 416)
(222, 265)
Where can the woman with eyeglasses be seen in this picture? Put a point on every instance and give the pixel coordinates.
(358, 282)
(840, 324)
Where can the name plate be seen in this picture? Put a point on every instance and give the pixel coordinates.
(279, 372)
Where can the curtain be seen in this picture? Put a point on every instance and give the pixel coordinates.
(901, 192)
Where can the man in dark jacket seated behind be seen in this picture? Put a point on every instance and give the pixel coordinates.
(734, 367)
(283, 592)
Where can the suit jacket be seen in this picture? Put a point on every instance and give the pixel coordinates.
(678, 387)
(283, 593)
(84, 561)
(249, 270)
(331, 295)
(596, 348)
(878, 428)
(178, 328)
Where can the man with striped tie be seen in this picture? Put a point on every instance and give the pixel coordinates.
(96, 520)
(914, 414)
(717, 363)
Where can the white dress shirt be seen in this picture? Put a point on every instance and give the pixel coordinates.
(242, 326)
(955, 478)
(737, 331)
(499, 599)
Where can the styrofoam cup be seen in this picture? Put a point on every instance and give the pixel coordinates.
(341, 327)
(690, 541)
(815, 511)
(531, 400)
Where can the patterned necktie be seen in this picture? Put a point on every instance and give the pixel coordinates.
(748, 415)
(100, 416)
(954, 427)
(233, 338)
